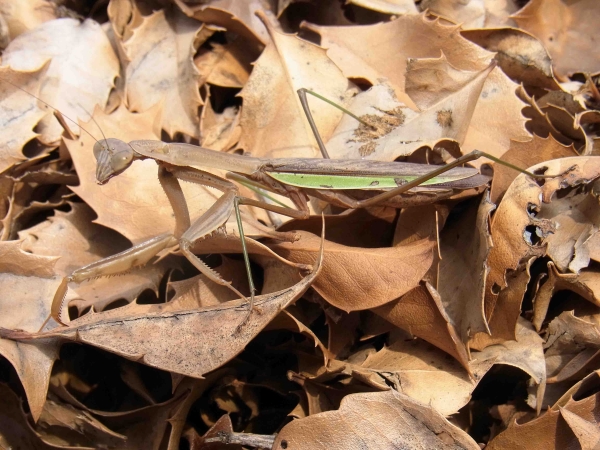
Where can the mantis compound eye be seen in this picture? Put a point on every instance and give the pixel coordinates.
(113, 156)
(121, 160)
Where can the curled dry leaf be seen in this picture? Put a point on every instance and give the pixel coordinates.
(586, 284)
(548, 431)
(226, 65)
(475, 13)
(75, 426)
(465, 243)
(572, 346)
(567, 30)
(69, 45)
(128, 331)
(363, 51)
(421, 313)
(24, 15)
(526, 154)
(161, 53)
(19, 113)
(354, 278)
(275, 126)
(28, 285)
(219, 131)
(234, 16)
(520, 55)
(521, 230)
(497, 118)
(421, 371)
(15, 428)
(375, 420)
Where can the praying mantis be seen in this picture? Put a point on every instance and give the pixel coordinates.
(296, 178)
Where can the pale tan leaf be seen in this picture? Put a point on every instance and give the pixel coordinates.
(567, 30)
(225, 65)
(237, 17)
(19, 113)
(28, 285)
(161, 52)
(398, 7)
(448, 118)
(275, 126)
(219, 131)
(375, 420)
(81, 72)
(422, 314)
(587, 432)
(544, 432)
(363, 51)
(497, 118)
(24, 15)
(474, 13)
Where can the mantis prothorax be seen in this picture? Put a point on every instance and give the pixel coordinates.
(295, 178)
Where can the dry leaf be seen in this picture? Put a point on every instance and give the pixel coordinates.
(237, 17)
(421, 313)
(19, 113)
(520, 55)
(79, 242)
(69, 45)
(354, 279)
(399, 7)
(474, 13)
(28, 284)
(15, 429)
(567, 31)
(521, 230)
(125, 331)
(275, 126)
(548, 431)
(526, 154)
(161, 52)
(362, 52)
(24, 15)
(374, 420)
(465, 243)
(497, 118)
(401, 130)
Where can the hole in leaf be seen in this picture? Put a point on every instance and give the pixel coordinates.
(496, 289)
(532, 235)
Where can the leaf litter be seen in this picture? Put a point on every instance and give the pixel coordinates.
(471, 314)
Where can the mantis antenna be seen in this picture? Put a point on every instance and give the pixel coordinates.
(58, 111)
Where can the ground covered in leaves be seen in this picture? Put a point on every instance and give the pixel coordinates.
(447, 318)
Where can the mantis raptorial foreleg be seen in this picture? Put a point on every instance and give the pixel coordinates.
(185, 233)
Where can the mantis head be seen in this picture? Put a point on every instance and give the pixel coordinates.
(113, 157)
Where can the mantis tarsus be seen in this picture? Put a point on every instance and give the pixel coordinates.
(292, 177)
